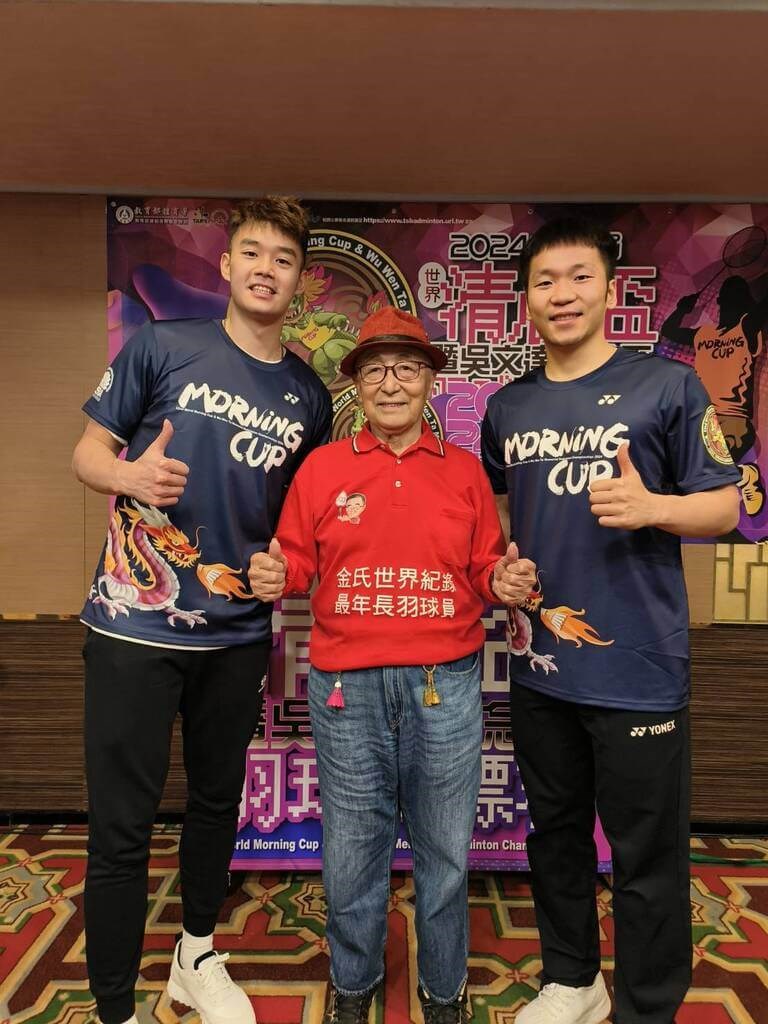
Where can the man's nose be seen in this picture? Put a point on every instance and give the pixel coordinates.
(563, 291)
(263, 265)
(390, 384)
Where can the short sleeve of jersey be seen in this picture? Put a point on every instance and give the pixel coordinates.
(491, 453)
(125, 390)
(697, 452)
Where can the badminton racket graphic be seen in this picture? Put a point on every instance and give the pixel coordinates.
(743, 248)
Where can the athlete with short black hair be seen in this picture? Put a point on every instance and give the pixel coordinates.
(599, 652)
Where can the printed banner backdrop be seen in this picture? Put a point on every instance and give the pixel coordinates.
(692, 285)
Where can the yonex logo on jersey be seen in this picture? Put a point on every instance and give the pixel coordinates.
(608, 399)
(653, 730)
(293, 399)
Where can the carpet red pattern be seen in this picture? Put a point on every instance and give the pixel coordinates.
(272, 927)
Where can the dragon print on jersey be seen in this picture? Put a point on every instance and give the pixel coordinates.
(143, 549)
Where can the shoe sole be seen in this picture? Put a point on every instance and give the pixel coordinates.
(180, 995)
(601, 1011)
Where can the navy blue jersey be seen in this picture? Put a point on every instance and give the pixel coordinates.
(178, 575)
(608, 621)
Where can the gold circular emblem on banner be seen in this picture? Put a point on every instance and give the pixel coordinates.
(714, 440)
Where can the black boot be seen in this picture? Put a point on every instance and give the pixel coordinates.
(456, 1012)
(341, 1009)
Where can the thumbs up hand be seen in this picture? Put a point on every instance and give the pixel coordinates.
(267, 572)
(623, 502)
(513, 577)
(154, 478)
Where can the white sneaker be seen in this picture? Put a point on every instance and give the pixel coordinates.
(207, 987)
(559, 1004)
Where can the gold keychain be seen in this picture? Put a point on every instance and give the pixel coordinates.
(431, 696)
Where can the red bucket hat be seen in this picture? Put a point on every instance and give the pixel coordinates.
(387, 326)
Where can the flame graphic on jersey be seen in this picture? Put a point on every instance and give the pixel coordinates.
(562, 621)
(565, 624)
(218, 578)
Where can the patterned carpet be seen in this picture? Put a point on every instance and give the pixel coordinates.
(273, 928)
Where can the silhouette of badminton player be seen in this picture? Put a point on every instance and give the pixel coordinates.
(724, 358)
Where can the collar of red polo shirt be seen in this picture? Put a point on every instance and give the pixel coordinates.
(366, 441)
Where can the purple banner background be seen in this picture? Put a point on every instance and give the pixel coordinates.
(454, 265)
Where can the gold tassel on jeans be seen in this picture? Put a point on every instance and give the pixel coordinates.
(431, 696)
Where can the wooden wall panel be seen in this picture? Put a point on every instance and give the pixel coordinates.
(41, 722)
(729, 715)
(396, 100)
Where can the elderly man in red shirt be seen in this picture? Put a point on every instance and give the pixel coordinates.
(402, 531)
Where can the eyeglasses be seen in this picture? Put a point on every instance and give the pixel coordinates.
(375, 373)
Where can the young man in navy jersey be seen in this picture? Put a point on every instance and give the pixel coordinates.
(216, 418)
(603, 459)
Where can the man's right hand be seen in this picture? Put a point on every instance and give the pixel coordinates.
(267, 572)
(153, 478)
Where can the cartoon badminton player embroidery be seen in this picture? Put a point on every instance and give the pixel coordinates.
(351, 507)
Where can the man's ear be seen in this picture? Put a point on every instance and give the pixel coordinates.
(225, 264)
(610, 299)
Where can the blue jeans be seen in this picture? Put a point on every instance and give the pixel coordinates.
(382, 754)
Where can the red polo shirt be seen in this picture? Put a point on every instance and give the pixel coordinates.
(403, 546)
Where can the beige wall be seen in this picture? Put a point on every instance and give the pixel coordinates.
(52, 352)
